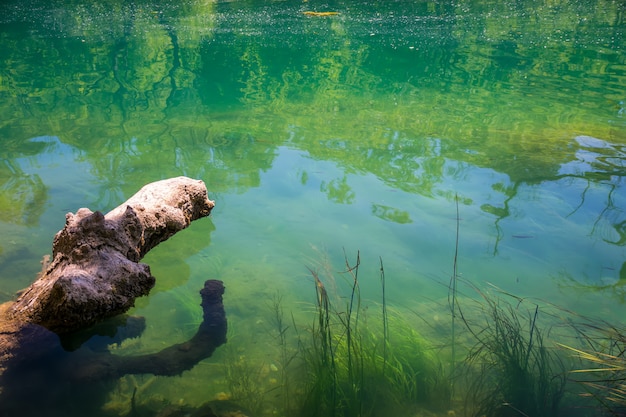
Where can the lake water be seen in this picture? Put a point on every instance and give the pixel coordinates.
(320, 138)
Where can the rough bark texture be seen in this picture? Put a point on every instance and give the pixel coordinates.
(95, 274)
(95, 271)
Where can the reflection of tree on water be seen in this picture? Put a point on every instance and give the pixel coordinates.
(22, 195)
(22, 191)
(601, 163)
(211, 90)
(23, 198)
(184, 89)
(338, 190)
(598, 164)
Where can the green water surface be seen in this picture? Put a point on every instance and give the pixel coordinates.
(320, 137)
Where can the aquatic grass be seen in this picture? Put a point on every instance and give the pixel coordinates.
(244, 381)
(602, 358)
(319, 357)
(384, 315)
(512, 371)
(287, 355)
(411, 371)
(362, 366)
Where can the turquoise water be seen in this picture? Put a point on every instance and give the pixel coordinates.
(318, 136)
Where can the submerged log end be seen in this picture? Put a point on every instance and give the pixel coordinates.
(164, 208)
(181, 357)
(95, 272)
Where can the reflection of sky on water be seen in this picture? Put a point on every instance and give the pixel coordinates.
(538, 230)
(599, 156)
(534, 243)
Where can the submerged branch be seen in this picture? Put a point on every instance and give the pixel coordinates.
(172, 360)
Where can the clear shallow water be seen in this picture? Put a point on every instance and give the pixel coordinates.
(317, 135)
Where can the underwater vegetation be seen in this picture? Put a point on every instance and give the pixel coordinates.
(366, 366)
(358, 358)
(343, 355)
(348, 360)
(512, 372)
(602, 368)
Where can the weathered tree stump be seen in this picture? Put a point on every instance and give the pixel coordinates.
(95, 274)
(95, 271)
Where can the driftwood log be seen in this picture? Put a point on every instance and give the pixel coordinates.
(95, 271)
(95, 274)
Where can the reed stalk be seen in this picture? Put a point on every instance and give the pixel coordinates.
(602, 369)
(348, 325)
(353, 369)
(385, 318)
(286, 356)
(324, 336)
(452, 298)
